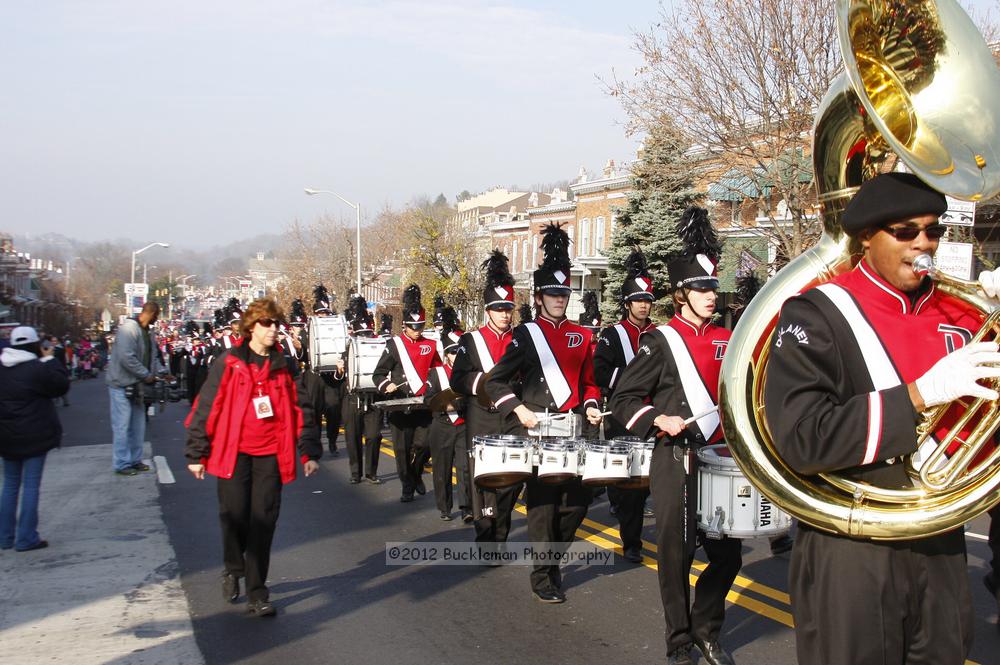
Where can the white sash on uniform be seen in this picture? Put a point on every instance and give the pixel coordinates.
(409, 371)
(558, 385)
(697, 394)
(444, 384)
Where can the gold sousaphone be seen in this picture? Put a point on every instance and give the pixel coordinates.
(919, 81)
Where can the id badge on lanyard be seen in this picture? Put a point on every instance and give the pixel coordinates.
(262, 404)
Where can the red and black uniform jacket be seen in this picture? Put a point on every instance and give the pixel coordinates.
(677, 365)
(478, 353)
(438, 379)
(616, 347)
(552, 360)
(836, 396)
(215, 424)
(406, 363)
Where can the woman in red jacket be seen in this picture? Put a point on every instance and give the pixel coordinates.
(244, 428)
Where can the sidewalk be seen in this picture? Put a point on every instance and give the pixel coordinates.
(106, 590)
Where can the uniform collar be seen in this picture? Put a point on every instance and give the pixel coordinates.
(649, 324)
(496, 333)
(555, 325)
(886, 294)
(689, 327)
(406, 338)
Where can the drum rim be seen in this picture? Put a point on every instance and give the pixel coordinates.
(498, 440)
(606, 446)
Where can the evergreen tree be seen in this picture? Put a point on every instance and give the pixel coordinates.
(663, 189)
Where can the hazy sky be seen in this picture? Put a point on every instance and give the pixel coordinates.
(206, 118)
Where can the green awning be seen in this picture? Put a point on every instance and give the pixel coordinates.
(737, 186)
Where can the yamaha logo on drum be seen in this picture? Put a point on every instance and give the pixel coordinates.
(573, 340)
(765, 511)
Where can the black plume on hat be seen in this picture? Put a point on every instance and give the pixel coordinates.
(524, 313)
(554, 272)
(591, 316)
(747, 286)
(499, 290)
(450, 328)
(890, 197)
(413, 311)
(439, 306)
(321, 299)
(191, 328)
(358, 315)
(233, 311)
(638, 284)
(696, 267)
(220, 319)
(386, 326)
(207, 327)
(298, 315)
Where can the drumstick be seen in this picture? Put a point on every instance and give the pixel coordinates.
(662, 433)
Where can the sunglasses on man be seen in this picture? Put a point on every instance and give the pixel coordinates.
(907, 233)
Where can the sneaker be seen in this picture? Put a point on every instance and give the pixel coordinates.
(261, 608)
(139, 466)
(354, 480)
(374, 480)
(127, 471)
(445, 517)
(466, 516)
(40, 545)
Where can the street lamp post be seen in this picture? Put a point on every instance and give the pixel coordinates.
(357, 210)
(131, 276)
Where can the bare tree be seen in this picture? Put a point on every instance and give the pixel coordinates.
(743, 81)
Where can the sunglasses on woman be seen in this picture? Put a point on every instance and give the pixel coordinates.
(907, 233)
(267, 323)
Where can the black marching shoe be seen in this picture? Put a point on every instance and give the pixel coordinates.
(374, 480)
(445, 516)
(261, 608)
(466, 515)
(633, 554)
(230, 587)
(354, 480)
(781, 545)
(420, 487)
(551, 596)
(681, 656)
(406, 498)
(714, 653)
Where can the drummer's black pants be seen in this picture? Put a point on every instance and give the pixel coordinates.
(409, 444)
(361, 419)
(496, 505)
(332, 411)
(874, 603)
(554, 514)
(444, 436)
(629, 503)
(674, 495)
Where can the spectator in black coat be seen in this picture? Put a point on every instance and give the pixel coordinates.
(30, 378)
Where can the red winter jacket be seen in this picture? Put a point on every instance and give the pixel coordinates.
(216, 420)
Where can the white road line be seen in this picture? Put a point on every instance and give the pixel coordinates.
(163, 472)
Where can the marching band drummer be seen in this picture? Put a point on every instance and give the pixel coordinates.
(853, 364)
(551, 357)
(448, 426)
(360, 416)
(678, 365)
(402, 372)
(615, 350)
(326, 387)
(297, 321)
(478, 352)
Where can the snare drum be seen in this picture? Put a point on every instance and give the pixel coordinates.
(729, 505)
(640, 454)
(557, 426)
(501, 460)
(362, 357)
(605, 463)
(406, 404)
(327, 342)
(558, 460)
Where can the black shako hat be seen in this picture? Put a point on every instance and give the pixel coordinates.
(321, 300)
(499, 290)
(591, 316)
(358, 316)
(219, 319)
(524, 313)
(413, 311)
(385, 328)
(298, 316)
(696, 267)
(450, 330)
(638, 284)
(439, 306)
(891, 197)
(553, 275)
(233, 311)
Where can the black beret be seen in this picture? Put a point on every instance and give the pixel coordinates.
(888, 198)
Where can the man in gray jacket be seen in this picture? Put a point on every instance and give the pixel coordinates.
(133, 363)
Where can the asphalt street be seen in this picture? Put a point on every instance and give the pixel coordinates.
(339, 602)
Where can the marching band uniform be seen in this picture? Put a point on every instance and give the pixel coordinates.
(406, 363)
(616, 348)
(591, 320)
(360, 416)
(552, 360)
(326, 387)
(478, 353)
(844, 358)
(677, 365)
(448, 426)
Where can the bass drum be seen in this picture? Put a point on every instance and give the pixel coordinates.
(328, 341)
(362, 357)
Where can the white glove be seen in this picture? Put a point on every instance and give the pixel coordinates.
(956, 374)
(989, 282)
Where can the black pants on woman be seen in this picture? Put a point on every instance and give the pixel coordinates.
(248, 510)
